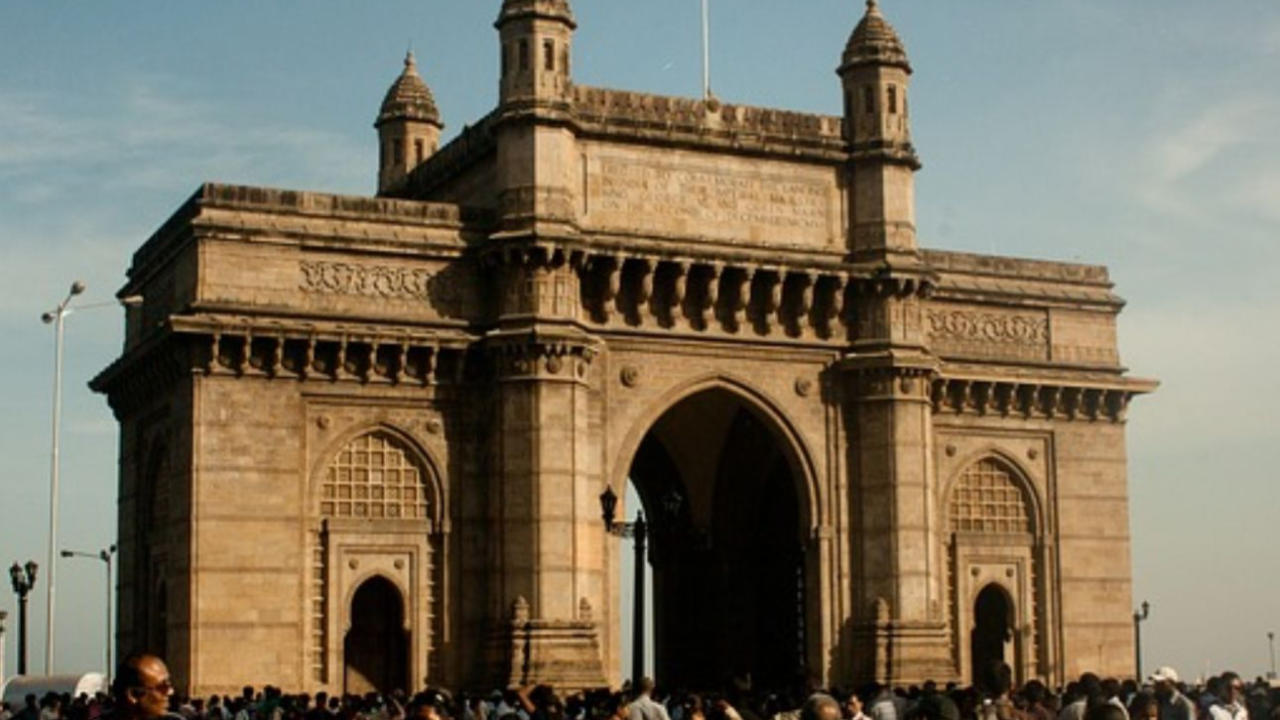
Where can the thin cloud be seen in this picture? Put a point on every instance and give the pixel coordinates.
(1176, 158)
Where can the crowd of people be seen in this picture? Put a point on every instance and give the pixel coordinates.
(142, 690)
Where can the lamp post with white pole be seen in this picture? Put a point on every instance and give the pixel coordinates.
(56, 317)
(105, 556)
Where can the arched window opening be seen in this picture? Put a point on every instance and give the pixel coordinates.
(893, 99)
(375, 476)
(987, 499)
(524, 55)
(549, 55)
(398, 144)
(418, 150)
(869, 100)
(506, 59)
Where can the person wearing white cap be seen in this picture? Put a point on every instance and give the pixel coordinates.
(1173, 704)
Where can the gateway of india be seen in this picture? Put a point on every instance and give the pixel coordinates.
(364, 440)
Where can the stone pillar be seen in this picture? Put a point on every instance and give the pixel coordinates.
(899, 632)
(549, 549)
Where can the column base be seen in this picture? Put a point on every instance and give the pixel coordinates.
(900, 654)
(564, 654)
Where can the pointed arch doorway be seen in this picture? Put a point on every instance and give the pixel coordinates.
(722, 489)
(992, 636)
(375, 649)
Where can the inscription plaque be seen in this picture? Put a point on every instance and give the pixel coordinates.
(734, 203)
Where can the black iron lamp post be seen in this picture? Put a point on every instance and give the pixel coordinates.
(23, 578)
(639, 530)
(1138, 617)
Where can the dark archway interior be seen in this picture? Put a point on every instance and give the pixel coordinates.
(992, 623)
(728, 566)
(376, 647)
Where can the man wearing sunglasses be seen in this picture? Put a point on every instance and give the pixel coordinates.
(1230, 703)
(142, 688)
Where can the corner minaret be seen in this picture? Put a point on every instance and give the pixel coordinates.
(900, 626)
(408, 126)
(875, 74)
(536, 38)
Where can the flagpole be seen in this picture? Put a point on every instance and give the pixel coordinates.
(706, 52)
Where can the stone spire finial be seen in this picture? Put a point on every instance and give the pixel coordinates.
(410, 64)
(873, 7)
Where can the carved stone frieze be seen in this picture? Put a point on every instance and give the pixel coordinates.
(995, 333)
(376, 281)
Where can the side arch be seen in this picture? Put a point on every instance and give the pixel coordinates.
(799, 454)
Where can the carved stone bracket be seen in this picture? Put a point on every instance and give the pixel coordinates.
(892, 381)
(308, 353)
(1028, 399)
(132, 382)
(690, 293)
(541, 356)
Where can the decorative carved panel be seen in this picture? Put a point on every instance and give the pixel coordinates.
(989, 333)
(376, 281)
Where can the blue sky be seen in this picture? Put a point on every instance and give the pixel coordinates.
(1143, 136)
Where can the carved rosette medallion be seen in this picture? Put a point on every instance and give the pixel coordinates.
(629, 376)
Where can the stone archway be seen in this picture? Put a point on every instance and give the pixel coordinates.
(728, 558)
(992, 634)
(375, 649)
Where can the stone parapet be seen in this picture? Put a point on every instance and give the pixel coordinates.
(707, 122)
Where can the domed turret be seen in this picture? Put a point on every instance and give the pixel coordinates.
(874, 42)
(875, 72)
(536, 38)
(408, 126)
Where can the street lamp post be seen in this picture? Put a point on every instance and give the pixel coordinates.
(105, 556)
(56, 317)
(639, 530)
(1138, 617)
(23, 578)
(1271, 640)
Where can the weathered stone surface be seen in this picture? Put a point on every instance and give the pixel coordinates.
(324, 395)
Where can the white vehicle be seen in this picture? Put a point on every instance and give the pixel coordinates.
(18, 687)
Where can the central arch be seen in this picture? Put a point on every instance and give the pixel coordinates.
(725, 489)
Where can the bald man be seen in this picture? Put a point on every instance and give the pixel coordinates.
(141, 688)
